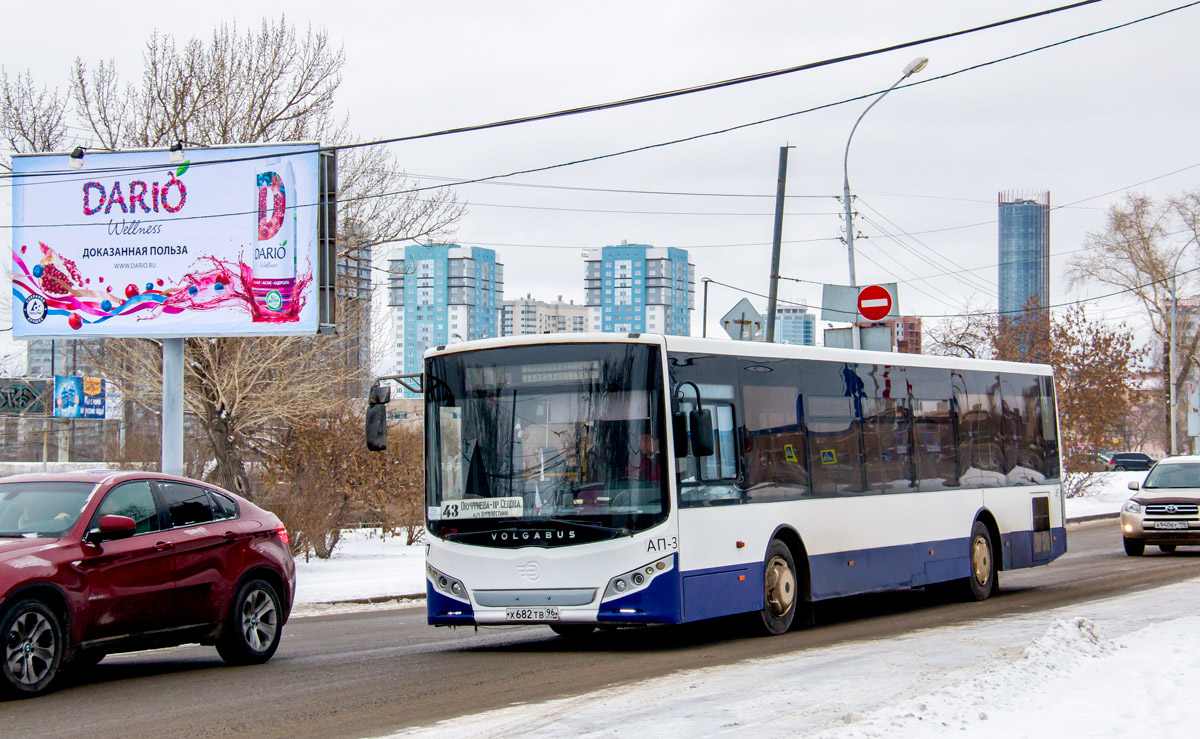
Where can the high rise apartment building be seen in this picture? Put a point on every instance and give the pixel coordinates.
(639, 288)
(441, 294)
(525, 316)
(1024, 251)
(795, 325)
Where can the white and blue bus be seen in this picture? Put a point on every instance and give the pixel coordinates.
(586, 480)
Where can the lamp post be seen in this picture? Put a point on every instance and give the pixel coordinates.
(1171, 360)
(916, 65)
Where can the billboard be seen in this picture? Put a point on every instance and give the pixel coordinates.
(133, 245)
(20, 396)
(86, 397)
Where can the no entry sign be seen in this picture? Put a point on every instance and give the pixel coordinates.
(874, 302)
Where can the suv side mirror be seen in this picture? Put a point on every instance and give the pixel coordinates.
(111, 528)
(377, 417)
(1133, 485)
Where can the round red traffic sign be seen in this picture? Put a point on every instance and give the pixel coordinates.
(874, 302)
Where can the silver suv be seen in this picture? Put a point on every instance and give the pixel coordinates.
(1165, 511)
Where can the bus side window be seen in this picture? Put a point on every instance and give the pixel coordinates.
(981, 450)
(1022, 429)
(1049, 430)
(776, 450)
(886, 445)
(833, 442)
(937, 456)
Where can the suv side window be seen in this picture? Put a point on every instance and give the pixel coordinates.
(187, 505)
(223, 506)
(132, 499)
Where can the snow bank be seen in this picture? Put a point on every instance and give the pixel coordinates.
(365, 565)
(1021, 676)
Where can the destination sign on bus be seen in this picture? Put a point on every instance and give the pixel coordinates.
(478, 508)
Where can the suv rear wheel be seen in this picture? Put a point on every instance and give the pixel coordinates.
(254, 625)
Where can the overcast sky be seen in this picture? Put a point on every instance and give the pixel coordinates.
(1087, 121)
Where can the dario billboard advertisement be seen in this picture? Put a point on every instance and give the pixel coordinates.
(133, 245)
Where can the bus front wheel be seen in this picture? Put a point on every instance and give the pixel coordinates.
(779, 589)
(982, 580)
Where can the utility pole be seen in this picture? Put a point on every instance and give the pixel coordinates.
(781, 186)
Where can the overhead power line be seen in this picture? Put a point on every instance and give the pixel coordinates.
(706, 87)
(1066, 304)
(647, 147)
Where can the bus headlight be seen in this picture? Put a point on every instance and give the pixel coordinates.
(445, 584)
(639, 579)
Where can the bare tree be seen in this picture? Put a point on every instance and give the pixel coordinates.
(1142, 242)
(32, 119)
(967, 335)
(272, 83)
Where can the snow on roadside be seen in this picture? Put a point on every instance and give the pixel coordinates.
(1044, 674)
(1107, 496)
(364, 565)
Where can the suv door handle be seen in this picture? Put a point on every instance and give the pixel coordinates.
(162, 546)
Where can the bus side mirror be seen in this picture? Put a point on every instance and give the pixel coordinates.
(702, 432)
(680, 428)
(377, 417)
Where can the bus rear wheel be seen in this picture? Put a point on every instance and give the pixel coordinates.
(779, 589)
(982, 580)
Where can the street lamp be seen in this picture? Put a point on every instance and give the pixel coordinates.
(916, 65)
(1171, 361)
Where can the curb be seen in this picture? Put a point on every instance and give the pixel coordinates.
(1094, 517)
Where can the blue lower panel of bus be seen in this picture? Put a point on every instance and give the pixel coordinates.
(658, 603)
(912, 565)
(445, 611)
(722, 592)
(1019, 550)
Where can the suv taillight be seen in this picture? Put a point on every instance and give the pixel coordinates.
(281, 532)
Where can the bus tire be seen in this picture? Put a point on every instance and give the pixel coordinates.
(573, 631)
(982, 580)
(779, 590)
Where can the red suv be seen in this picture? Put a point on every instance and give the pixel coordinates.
(106, 561)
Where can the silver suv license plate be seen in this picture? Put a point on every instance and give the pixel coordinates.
(545, 613)
(1170, 524)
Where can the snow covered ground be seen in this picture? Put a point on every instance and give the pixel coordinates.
(1125, 666)
(1122, 666)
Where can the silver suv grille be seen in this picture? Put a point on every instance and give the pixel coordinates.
(1173, 509)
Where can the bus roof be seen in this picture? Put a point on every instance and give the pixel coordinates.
(746, 348)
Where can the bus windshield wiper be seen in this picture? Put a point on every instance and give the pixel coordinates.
(459, 534)
(620, 530)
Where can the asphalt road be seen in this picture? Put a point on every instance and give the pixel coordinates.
(373, 673)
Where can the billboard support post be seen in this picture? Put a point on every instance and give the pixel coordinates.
(172, 407)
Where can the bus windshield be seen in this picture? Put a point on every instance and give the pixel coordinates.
(545, 444)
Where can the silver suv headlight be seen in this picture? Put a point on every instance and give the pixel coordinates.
(1132, 507)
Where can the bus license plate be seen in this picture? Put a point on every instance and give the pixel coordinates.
(1170, 524)
(545, 613)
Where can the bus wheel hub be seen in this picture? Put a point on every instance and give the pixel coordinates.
(780, 586)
